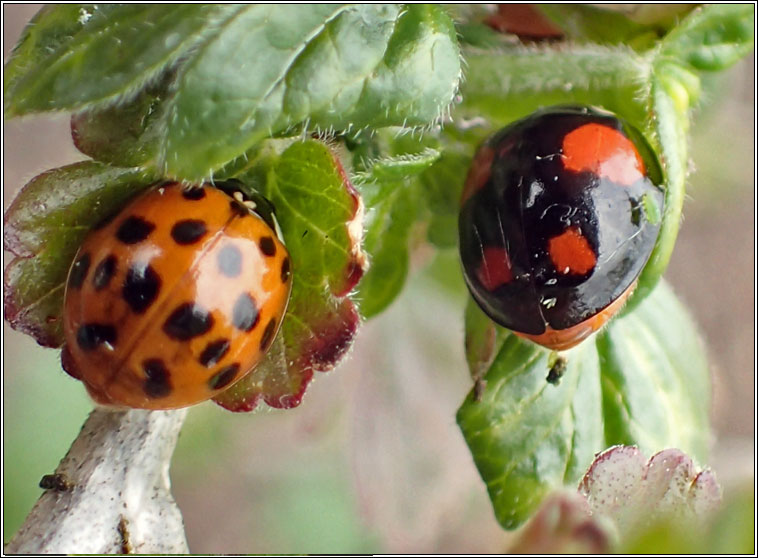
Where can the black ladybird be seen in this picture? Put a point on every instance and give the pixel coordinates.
(559, 214)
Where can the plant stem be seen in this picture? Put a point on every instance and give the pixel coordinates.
(111, 493)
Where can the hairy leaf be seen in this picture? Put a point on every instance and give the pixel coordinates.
(328, 66)
(125, 135)
(239, 74)
(108, 52)
(321, 219)
(504, 85)
(625, 24)
(634, 492)
(642, 381)
(712, 37)
(45, 225)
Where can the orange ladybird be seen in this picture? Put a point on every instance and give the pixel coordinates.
(176, 298)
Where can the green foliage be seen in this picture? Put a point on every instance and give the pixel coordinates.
(220, 90)
(317, 211)
(45, 225)
(239, 73)
(730, 531)
(643, 381)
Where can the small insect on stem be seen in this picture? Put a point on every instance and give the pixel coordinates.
(57, 482)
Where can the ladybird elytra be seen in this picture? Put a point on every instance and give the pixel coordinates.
(174, 299)
(554, 225)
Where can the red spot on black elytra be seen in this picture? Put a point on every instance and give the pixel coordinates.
(214, 352)
(268, 335)
(92, 335)
(134, 230)
(188, 231)
(79, 271)
(267, 245)
(141, 287)
(571, 253)
(224, 376)
(245, 313)
(158, 382)
(495, 269)
(604, 151)
(229, 261)
(104, 272)
(188, 320)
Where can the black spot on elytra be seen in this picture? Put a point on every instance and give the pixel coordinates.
(188, 231)
(158, 382)
(239, 208)
(245, 313)
(104, 272)
(134, 230)
(194, 194)
(224, 376)
(268, 335)
(91, 336)
(187, 321)
(268, 247)
(214, 352)
(285, 270)
(230, 260)
(141, 287)
(79, 271)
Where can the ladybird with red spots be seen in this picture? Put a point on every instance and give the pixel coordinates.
(559, 214)
(176, 298)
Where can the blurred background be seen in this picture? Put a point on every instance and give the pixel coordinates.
(372, 461)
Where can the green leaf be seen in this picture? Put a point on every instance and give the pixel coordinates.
(52, 27)
(126, 135)
(241, 73)
(109, 52)
(506, 85)
(528, 436)
(671, 126)
(45, 226)
(388, 226)
(390, 189)
(712, 37)
(730, 531)
(442, 184)
(320, 217)
(643, 380)
(589, 23)
(325, 65)
(398, 168)
(655, 380)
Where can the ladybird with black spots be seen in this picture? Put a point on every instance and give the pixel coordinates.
(559, 214)
(176, 298)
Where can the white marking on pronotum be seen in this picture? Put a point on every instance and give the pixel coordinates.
(240, 197)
